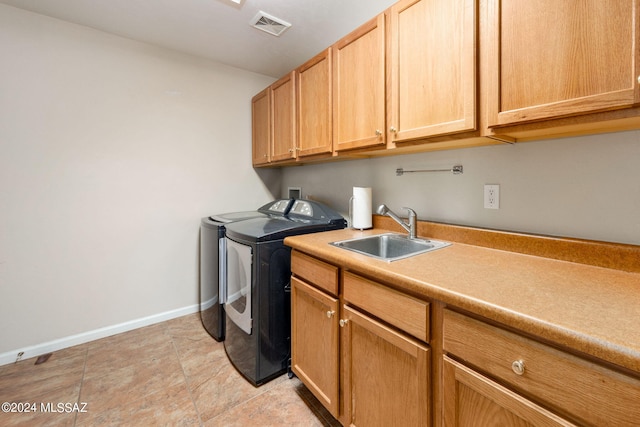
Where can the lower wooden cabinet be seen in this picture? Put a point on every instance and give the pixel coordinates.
(573, 388)
(314, 342)
(365, 371)
(362, 348)
(386, 374)
(471, 400)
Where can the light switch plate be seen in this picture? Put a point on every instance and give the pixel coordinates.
(492, 196)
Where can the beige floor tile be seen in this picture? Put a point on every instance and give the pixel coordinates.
(46, 411)
(154, 349)
(188, 326)
(215, 384)
(133, 339)
(24, 380)
(171, 406)
(279, 406)
(172, 373)
(223, 389)
(196, 349)
(200, 356)
(142, 377)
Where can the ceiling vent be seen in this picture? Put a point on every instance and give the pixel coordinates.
(270, 24)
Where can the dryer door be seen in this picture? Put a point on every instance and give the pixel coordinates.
(238, 295)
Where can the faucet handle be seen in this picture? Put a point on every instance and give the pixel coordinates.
(412, 223)
(410, 211)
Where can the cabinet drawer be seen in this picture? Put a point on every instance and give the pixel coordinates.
(585, 391)
(402, 311)
(314, 271)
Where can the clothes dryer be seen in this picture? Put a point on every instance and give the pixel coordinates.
(257, 306)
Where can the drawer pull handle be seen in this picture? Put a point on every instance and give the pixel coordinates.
(330, 313)
(343, 322)
(518, 367)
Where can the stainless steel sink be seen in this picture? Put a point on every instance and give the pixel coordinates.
(390, 246)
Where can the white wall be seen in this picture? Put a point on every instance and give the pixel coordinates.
(110, 153)
(585, 187)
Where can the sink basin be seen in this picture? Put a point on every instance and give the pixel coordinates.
(390, 246)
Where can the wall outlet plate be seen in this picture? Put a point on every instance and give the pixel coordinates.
(492, 196)
(294, 192)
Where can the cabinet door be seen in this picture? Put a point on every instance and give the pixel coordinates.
(315, 106)
(432, 89)
(314, 342)
(550, 59)
(386, 375)
(261, 127)
(471, 400)
(283, 124)
(359, 87)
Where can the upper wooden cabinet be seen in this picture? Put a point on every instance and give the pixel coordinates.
(549, 59)
(283, 118)
(315, 106)
(261, 127)
(432, 67)
(359, 87)
(273, 121)
(440, 74)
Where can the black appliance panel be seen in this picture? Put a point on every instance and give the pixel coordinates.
(263, 351)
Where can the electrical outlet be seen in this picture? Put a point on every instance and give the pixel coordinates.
(492, 196)
(295, 193)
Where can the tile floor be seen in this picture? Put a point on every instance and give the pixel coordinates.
(172, 373)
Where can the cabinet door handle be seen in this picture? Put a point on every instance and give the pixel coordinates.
(378, 132)
(343, 322)
(392, 129)
(638, 79)
(330, 313)
(518, 367)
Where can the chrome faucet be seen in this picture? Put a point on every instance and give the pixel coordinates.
(411, 227)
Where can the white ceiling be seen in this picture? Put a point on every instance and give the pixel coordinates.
(219, 29)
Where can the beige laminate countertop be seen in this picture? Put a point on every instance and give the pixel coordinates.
(593, 310)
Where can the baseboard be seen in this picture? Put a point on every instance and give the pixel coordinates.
(70, 341)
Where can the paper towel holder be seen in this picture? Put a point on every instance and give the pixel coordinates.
(456, 170)
(362, 219)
